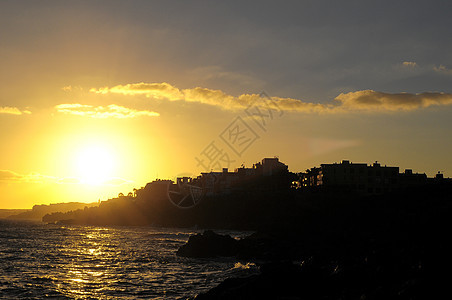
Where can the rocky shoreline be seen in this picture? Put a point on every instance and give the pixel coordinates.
(380, 272)
(387, 248)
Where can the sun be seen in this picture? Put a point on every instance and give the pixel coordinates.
(95, 164)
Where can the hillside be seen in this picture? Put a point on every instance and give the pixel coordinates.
(39, 211)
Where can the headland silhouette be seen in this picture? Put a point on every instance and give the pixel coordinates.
(247, 198)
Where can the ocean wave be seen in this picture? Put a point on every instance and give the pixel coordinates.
(39, 260)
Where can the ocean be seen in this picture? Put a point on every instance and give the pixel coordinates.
(39, 261)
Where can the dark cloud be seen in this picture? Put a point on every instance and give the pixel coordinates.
(314, 49)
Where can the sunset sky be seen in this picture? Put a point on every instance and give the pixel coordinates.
(100, 97)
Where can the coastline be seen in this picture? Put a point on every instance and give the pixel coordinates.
(384, 248)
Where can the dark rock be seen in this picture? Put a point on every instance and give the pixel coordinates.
(323, 279)
(254, 247)
(209, 244)
(276, 281)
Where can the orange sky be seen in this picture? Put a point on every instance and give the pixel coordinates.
(98, 99)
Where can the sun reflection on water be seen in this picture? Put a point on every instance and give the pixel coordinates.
(77, 262)
(90, 253)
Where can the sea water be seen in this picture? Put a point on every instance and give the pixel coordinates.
(86, 262)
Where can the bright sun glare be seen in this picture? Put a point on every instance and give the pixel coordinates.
(95, 165)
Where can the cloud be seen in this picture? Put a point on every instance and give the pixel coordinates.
(70, 88)
(409, 64)
(6, 175)
(206, 96)
(13, 111)
(156, 90)
(377, 101)
(103, 112)
(442, 69)
(11, 176)
(358, 101)
(215, 98)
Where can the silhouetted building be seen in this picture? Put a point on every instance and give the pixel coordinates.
(355, 177)
(362, 178)
(270, 174)
(439, 176)
(272, 166)
(409, 179)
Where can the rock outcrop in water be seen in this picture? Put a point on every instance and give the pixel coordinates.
(209, 244)
(256, 246)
